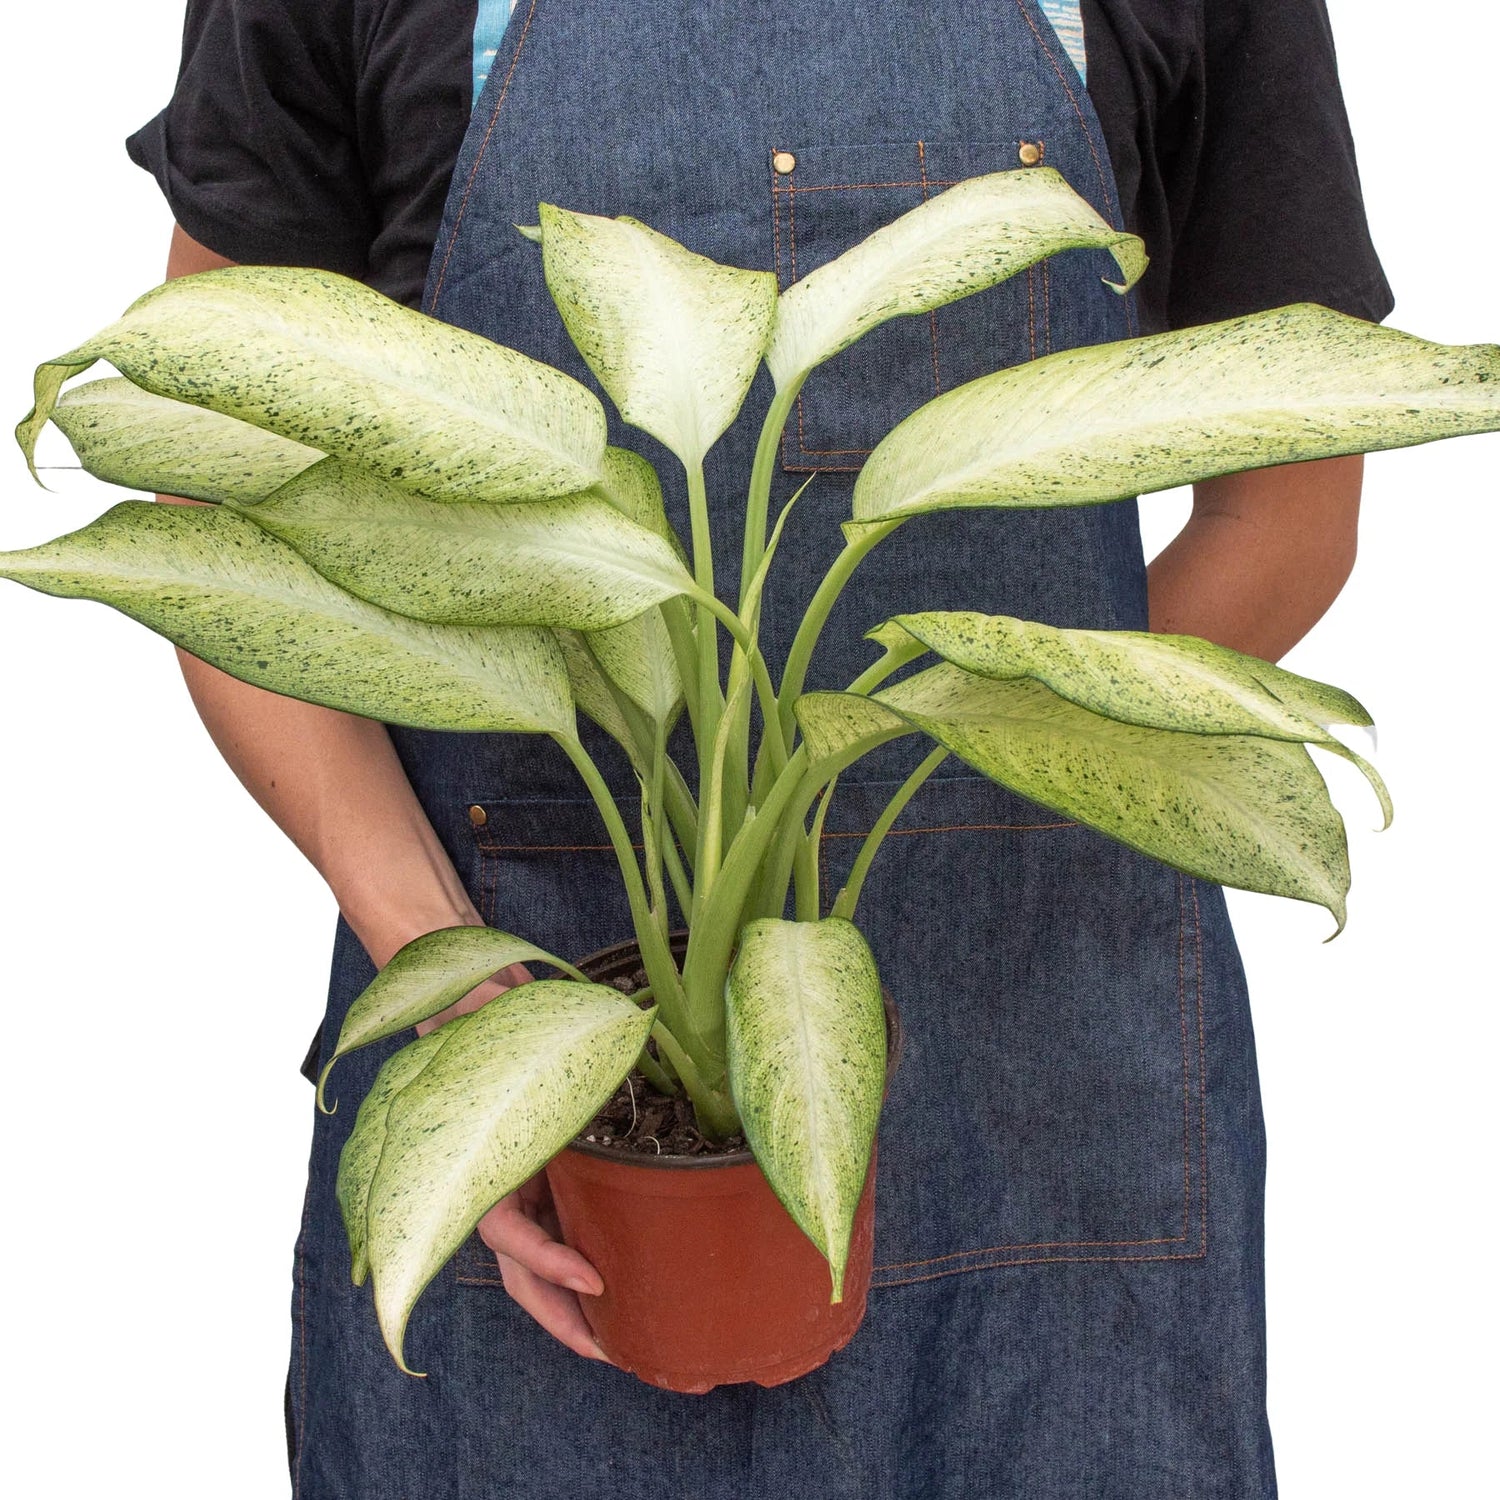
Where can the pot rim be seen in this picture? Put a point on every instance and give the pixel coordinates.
(606, 958)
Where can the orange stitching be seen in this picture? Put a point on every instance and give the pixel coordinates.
(957, 828)
(852, 187)
(463, 203)
(1202, 1074)
(1040, 1260)
(550, 848)
(1182, 1018)
(1104, 177)
(937, 380)
(302, 1341)
(1062, 78)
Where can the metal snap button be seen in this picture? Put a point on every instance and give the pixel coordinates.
(784, 162)
(478, 816)
(1030, 153)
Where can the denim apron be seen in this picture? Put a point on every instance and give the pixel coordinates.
(1067, 1299)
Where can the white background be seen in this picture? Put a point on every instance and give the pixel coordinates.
(164, 949)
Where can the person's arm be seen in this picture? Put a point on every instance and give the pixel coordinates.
(1262, 557)
(333, 783)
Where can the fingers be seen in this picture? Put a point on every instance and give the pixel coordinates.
(508, 1231)
(556, 1309)
(543, 1276)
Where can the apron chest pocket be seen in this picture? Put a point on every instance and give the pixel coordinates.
(827, 198)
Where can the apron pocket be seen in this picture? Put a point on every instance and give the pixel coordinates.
(832, 196)
(546, 871)
(1050, 1104)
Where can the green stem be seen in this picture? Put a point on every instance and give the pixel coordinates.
(855, 551)
(808, 871)
(656, 956)
(713, 1109)
(848, 898)
(674, 613)
(682, 887)
(712, 938)
(758, 502)
(710, 699)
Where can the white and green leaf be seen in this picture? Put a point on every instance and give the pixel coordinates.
(333, 364)
(1115, 420)
(962, 240)
(127, 436)
(514, 1085)
(674, 338)
(361, 1153)
(1239, 810)
(575, 563)
(1158, 681)
(807, 1054)
(242, 600)
(425, 977)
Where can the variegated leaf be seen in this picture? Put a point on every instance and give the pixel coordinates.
(960, 241)
(127, 436)
(1158, 681)
(1239, 810)
(575, 563)
(806, 1035)
(331, 363)
(425, 977)
(675, 338)
(242, 600)
(1121, 419)
(521, 1077)
(361, 1153)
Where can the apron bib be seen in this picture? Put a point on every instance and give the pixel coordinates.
(1067, 1298)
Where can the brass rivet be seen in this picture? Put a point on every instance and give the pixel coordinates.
(784, 162)
(478, 816)
(1030, 153)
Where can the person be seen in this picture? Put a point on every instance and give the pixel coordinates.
(329, 135)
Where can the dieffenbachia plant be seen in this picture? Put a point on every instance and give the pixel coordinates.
(416, 525)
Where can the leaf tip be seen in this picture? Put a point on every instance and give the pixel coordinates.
(323, 1106)
(532, 232)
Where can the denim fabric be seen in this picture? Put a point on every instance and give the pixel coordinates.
(1067, 1299)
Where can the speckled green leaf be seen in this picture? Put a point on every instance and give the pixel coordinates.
(637, 658)
(576, 563)
(428, 975)
(591, 695)
(127, 436)
(242, 600)
(1240, 810)
(1158, 681)
(361, 1153)
(632, 486)
(675, 338)
(522, 1076)
(807, 1069)
(1144, 414)
(836, 725)
(331, 363)
(962, 240)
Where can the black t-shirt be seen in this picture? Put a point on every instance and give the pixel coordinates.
(324, 132)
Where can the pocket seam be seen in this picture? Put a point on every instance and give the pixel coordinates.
(1185, 887)
(784, 186)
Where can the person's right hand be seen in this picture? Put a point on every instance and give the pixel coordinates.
(543, 1275)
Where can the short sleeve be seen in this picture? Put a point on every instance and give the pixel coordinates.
(1275, 213)
(257, 151)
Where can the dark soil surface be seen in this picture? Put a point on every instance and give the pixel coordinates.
(639, 1119)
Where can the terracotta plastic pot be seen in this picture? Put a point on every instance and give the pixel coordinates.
(707, 1279)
